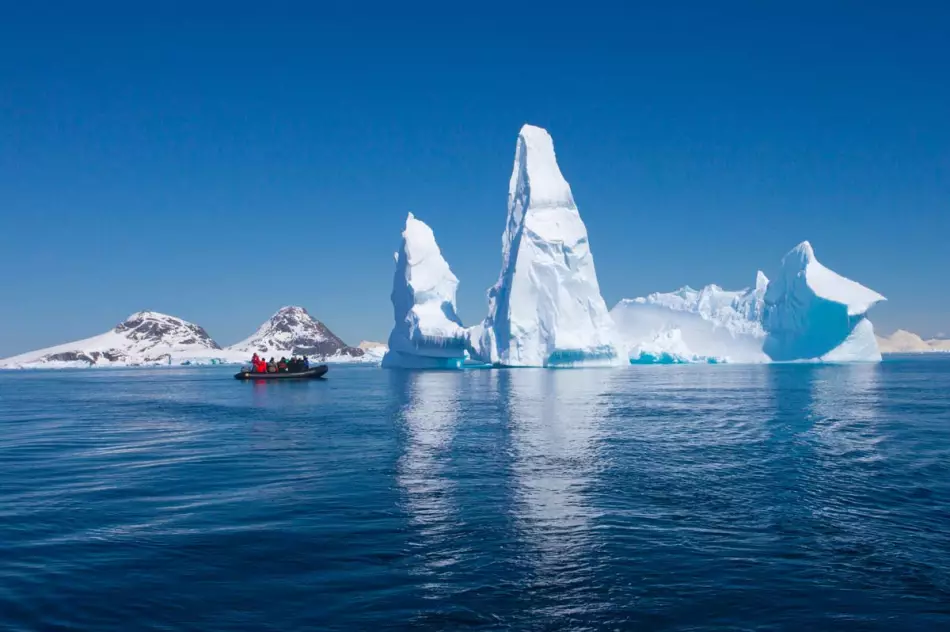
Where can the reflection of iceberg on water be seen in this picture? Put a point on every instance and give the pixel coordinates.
(845, 412)
(429, 419)
(555, 432)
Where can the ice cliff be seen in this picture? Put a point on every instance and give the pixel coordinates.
(546, 308)
(427, 333)
(813, 313)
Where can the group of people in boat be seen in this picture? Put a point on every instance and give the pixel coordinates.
(293, 365)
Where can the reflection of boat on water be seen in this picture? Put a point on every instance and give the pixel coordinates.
(309, 374)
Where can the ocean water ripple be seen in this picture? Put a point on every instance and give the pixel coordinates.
(681, 497)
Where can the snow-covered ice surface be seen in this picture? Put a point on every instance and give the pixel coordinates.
(144, 338)
(706, 325)
(546, 308)
(427, 332)
(813, 313)
(293, 331)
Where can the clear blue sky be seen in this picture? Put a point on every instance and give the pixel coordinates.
(162, 158)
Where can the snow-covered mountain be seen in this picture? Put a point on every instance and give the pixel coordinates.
(902, 341)
(143, 338)
(546, 308)
(427, 333)
(293, 331)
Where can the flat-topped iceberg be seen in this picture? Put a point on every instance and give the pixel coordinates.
(427, 333)
(813, 313)
(710, 324)
(739, 312)
(546, 308)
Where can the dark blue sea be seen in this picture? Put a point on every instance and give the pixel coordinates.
(792, 497)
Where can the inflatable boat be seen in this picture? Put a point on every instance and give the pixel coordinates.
(309, 374)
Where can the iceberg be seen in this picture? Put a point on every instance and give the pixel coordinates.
(814, 313)
(808, 313)
(427, 333)
(546, 308)
(706, 325)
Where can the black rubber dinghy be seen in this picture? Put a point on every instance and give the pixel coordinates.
(309, 374)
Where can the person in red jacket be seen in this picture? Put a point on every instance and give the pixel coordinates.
(258, 364)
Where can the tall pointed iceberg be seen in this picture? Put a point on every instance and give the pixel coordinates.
(427, 333)
(546, 308)
(813, 313)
